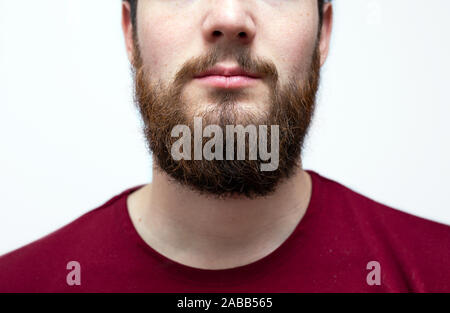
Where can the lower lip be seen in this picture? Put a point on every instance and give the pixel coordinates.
(228, 82)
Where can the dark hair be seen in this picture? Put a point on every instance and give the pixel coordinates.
(133, 5)
(133, 9)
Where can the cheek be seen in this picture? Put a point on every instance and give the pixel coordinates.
(293, 50)
(160, 49)
(154, 51)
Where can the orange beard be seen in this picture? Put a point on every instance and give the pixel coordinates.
(163, 107)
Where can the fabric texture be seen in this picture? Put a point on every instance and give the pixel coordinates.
(329, 250)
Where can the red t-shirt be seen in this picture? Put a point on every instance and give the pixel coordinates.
(329, 251)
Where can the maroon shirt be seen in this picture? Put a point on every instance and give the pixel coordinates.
(328, 251)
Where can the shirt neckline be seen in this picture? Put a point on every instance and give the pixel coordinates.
(236, 275)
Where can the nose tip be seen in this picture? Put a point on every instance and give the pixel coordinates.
(230, 21)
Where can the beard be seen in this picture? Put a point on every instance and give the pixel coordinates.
(290, 106)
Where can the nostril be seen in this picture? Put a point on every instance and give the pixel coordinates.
(216, 33)
(242, 35)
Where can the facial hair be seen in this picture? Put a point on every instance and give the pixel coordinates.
(163, 106)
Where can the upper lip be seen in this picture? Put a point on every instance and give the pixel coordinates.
(221, 70)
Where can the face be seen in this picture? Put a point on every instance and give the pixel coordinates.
(275, 42)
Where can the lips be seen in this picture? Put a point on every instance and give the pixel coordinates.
(227, 77)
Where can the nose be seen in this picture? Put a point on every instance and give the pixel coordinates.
(229, 21)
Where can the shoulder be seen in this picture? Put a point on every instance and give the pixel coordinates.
(373, 212)
(420, 247)
(43, 262)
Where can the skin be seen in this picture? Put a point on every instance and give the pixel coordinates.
(200, 231)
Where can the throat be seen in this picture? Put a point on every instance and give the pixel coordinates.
(216, 234)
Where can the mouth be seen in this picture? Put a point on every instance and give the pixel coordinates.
(227, 77)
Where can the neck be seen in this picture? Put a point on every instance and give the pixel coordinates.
(210, 233)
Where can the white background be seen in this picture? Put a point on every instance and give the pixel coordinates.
(70, 135)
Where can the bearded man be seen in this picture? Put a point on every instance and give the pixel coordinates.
(214, 218)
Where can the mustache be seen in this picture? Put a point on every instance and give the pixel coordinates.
(242, 56)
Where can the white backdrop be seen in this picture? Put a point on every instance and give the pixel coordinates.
(70, 135)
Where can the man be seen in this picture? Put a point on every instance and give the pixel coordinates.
(226, 90)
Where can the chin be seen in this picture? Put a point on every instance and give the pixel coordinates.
(233, 113)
